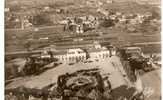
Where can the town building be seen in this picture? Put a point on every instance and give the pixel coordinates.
(70, 55)
(103, 11)
(99, 52)
(96, 51)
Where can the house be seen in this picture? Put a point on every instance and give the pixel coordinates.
(148, 14)
(46, 9)
(91, 3)
(79, 28)
(103, 11)
(133, 52)
(140, 18)
(45, 53)
(112, 17)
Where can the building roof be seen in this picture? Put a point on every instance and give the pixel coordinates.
(76, 49)
(63, 52)
(96, 50)
(132, 48)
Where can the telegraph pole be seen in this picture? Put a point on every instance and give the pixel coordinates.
(22, 21)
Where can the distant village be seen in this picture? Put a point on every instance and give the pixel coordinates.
(26, 18)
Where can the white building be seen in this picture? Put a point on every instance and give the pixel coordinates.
(99, 52)
(71, 55)
(77, 54)
(79, 29)
(45, 54)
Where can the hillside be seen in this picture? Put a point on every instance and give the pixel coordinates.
(46, 2)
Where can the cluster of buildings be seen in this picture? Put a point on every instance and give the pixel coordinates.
(19, 20)
(97, 3)
(96, 52)
(83, 23)
(24, 17)
(125, 18)
(80, 24)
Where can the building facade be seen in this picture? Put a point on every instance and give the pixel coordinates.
(99, 52)
(77, 54)
(71, 55)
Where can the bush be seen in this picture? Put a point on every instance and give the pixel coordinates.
(41, 19)
(107, 23)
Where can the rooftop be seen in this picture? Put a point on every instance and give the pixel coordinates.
(97, 50)
(63, 52)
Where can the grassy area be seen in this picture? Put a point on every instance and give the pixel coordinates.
(131, 7)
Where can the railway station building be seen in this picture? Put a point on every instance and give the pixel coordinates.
(71, 55)
(99, 52)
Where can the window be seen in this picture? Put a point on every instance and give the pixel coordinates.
(83, 57)
(70, 58)
(100, 55)
(73, 58)
(80, 58)
(80, 52)
(107, 55)
(103, 55)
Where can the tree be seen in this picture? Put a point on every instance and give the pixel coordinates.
(155, 15)
(107, 23)
(42, 19)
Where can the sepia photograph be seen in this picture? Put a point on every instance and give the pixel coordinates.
(82, 50)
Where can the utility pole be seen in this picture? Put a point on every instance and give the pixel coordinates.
(22, 21)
